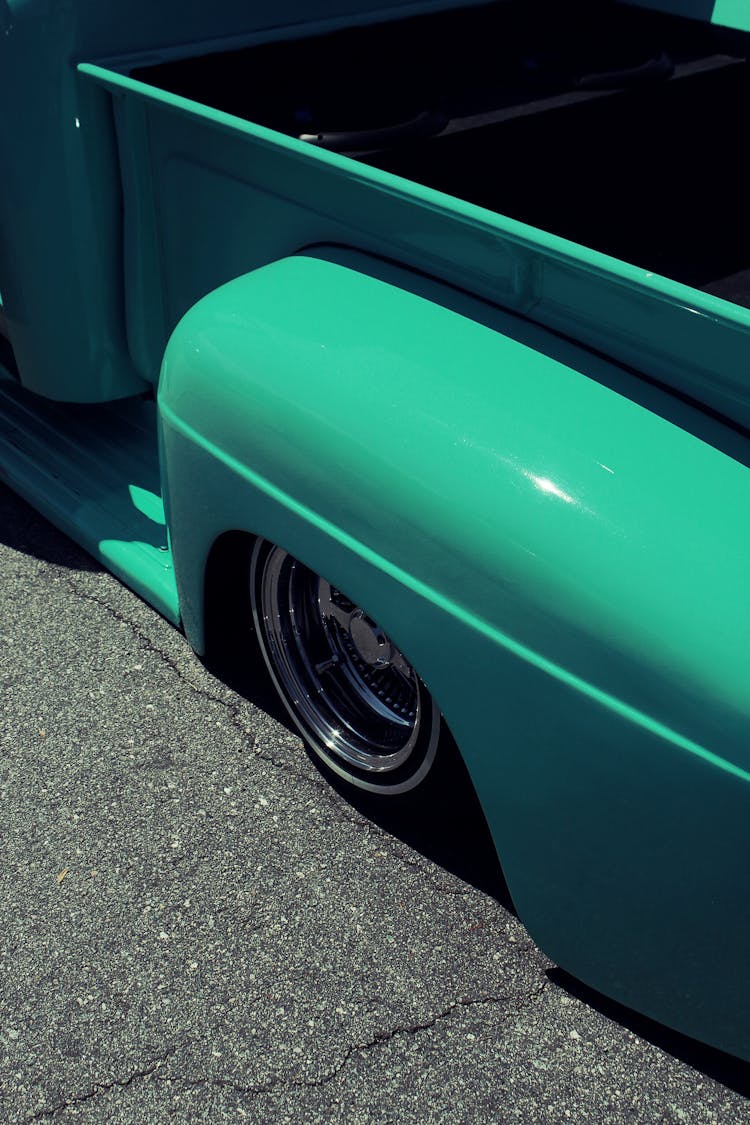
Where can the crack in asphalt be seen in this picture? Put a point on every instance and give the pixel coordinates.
(317, 785)
(461, 1003)
(233, 709)
(98, 1088)
(378, 1039)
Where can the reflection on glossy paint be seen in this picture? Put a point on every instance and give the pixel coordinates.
(544, 484)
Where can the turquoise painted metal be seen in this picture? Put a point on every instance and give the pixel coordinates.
(411, 395)
(566, 567)
(282, 194)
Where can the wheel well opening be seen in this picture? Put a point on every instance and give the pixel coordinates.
(226, 589)
(446, 823)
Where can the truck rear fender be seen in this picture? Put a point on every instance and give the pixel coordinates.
(559, 550)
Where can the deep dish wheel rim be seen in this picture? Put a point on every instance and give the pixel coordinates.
(356, 699)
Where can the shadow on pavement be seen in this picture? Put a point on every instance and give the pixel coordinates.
(447, 827)
(23, 529)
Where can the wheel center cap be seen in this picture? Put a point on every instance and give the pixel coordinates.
(371, 643)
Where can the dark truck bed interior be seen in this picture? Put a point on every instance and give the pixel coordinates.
(614, 127)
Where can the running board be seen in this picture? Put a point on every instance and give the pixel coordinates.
(93, 471)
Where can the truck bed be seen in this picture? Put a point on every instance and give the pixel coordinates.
(655, 178)
(612, 127)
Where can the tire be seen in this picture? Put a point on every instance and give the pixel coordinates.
(357, 702)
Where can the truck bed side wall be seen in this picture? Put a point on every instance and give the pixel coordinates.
(227, 196)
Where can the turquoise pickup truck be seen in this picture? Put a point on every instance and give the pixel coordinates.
(422, 329)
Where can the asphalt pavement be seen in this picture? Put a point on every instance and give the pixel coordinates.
(195, 926)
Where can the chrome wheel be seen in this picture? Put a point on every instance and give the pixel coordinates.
(357, 701)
